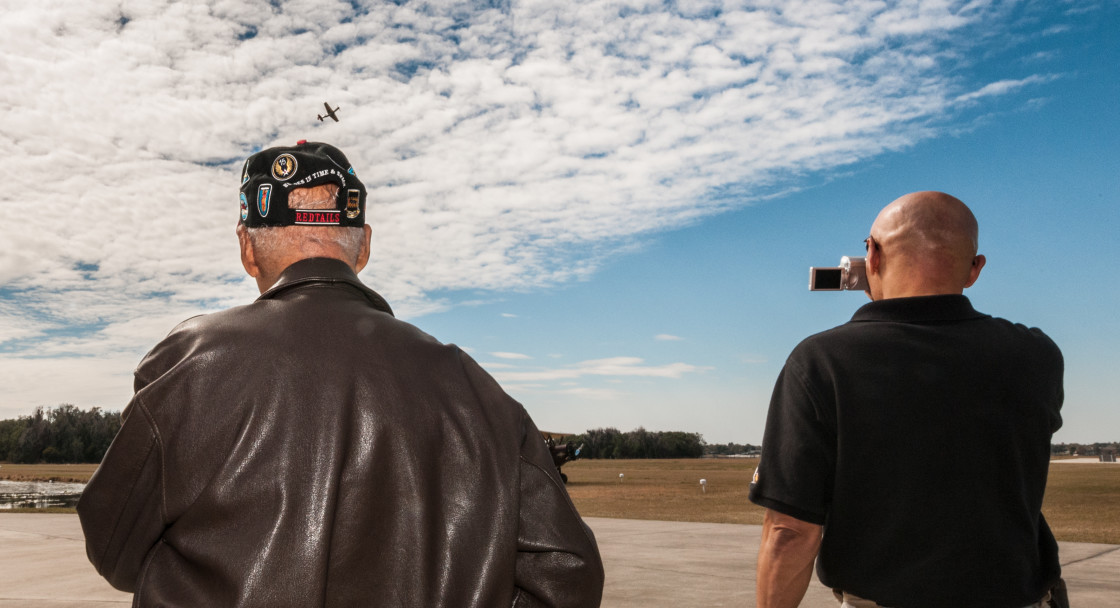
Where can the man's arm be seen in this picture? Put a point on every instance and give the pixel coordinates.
(785, 560)
(121, 507)
(558, 563)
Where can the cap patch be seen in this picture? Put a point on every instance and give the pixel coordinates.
(284, 167)
(353, 203)
(244, 207)
(317, 217)
(264, 197)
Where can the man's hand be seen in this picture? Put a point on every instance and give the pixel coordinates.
(785, 560)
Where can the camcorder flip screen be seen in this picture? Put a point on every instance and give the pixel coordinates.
(825, 279)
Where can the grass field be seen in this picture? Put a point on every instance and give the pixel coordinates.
(1082, 500)
(664, 489)
(76, 473)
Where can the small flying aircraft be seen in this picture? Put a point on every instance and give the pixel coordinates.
(330, 112)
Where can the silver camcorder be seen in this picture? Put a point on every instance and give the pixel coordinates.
(850, 275)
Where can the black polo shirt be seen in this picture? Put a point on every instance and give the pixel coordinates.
(919, 434)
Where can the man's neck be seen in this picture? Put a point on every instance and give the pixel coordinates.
(270, 273)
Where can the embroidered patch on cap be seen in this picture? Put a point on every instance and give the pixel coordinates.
(244, 207)
(317, 217)
(353, 203)
(264, 197)
(284, 167)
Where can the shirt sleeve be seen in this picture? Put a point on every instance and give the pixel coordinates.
(796, 471)
(121, 507)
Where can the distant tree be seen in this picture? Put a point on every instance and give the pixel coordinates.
(61, 434)
(731, 449)
(639, 443)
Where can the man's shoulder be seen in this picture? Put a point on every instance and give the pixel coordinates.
(831, 339)
(1022, 339)
(250, 331)
(258, 321)
(871, 331)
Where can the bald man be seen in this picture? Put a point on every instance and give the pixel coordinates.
(906, 451)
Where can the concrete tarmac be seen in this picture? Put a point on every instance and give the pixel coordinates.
(648, 563)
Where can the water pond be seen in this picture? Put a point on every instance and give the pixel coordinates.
(39, 494)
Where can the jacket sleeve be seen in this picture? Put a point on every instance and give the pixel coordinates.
(558, 563)
(121, 507)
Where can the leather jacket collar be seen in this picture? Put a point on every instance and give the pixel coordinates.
(323, 270)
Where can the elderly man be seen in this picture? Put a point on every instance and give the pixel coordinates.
(910, 446)
(308, 449)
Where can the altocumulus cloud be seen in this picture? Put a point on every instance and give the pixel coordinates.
(507, 145)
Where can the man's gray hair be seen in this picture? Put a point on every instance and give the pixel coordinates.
(269, 241)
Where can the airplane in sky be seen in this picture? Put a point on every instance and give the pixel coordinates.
(330, 112)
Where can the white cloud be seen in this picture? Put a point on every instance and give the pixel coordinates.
(1003, 87)
(491, 365)
(613, 366)
(604, 394)
(667, 338)
(504, 148)
(502, 355)
(509, 315)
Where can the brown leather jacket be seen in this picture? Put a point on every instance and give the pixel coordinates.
(311, 450)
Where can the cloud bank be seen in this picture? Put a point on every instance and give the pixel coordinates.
(506, 145)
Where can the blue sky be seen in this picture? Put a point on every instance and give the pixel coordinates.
(611, 205)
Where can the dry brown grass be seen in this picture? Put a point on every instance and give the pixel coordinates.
(70, 473)
(665, 489)
(1082, 500)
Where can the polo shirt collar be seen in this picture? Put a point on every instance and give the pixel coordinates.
(323, 270)
(919, 309)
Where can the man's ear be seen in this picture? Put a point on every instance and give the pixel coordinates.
(248, 256)
(871, 263)
(363, 253)
(974, 272)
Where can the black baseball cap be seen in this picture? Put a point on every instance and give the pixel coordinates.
(269, 175)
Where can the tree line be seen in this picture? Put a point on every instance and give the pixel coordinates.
(67, 434)
(731, 449)
(639, 443)
(59, 434)
(1084, 449)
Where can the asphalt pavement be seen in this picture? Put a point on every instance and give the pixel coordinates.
(648, 563)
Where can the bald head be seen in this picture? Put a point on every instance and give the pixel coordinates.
(924, 244)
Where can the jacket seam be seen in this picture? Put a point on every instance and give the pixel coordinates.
(144, 571)
(564, 493)
(117, 522)
(159, 453)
